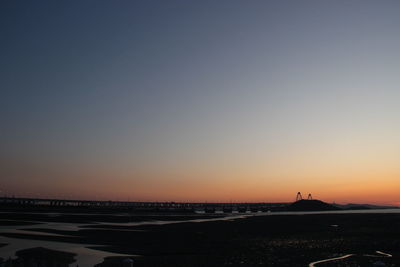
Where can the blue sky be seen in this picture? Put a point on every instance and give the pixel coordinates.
(155, 93)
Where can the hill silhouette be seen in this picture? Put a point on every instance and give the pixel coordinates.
(311, 205)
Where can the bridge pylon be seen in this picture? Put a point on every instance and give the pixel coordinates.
(298, 196)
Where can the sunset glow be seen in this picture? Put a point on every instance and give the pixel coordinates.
(201, 102)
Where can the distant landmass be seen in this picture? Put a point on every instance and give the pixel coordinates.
(353, 206)
(318, 205)
(311, 205)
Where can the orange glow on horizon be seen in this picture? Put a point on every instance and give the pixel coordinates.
(247, 182)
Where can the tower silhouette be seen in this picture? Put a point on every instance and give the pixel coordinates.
(309, 197)
(299, 197)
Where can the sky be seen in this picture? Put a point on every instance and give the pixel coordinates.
(218, 101)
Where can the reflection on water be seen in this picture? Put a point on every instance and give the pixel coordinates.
(380, 254)
(90, 257)
(371, 211)
(226, 218)
(86, 257)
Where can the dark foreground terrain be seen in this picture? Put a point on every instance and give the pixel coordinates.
(284, 240)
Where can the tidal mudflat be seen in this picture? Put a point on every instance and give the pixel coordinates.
(211, 240)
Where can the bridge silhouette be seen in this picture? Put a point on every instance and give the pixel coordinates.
(300, 197)
(33, 203)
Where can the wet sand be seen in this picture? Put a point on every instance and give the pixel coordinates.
(284, 240)
(82, 218)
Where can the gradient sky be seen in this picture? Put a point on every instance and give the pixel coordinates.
(200, 100)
